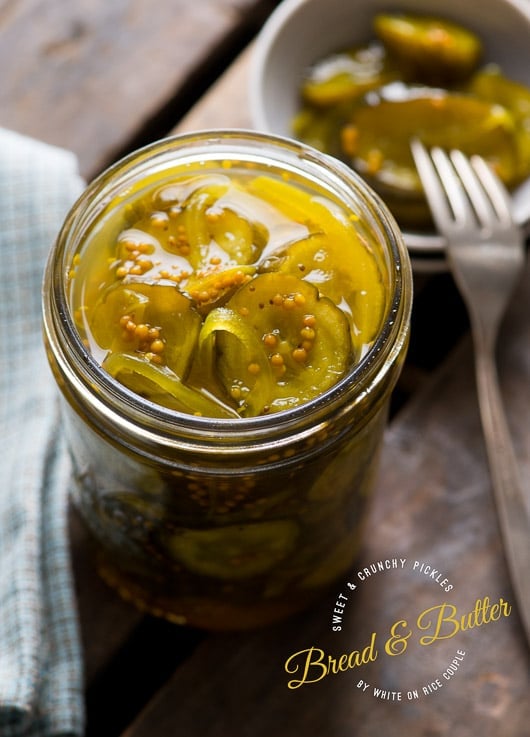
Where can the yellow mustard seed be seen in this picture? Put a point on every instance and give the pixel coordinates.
(253, 368)
(299, 355)
(270, 340)
(299, 299)
(141, 331)
(159, 220)
(145, 264)
(157, 346)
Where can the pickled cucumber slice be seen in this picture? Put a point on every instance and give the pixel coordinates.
(491, 85)
(161, 385)
(149, 306)
(235, 552)
(230, 349)
(305, 338)
(320, 127)
(380, 148)
(346, 273)
(434, 50)
(347, 75)
(116, 302)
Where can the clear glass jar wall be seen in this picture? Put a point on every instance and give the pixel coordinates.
(217, 522)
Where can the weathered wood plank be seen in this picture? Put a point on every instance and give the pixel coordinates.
(232, 89)
(90, 75)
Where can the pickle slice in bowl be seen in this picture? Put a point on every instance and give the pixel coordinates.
(434, 50)
(377, 138)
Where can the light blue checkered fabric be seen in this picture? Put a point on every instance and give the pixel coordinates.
(40, 658)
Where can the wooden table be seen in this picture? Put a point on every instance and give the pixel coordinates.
(101, 78)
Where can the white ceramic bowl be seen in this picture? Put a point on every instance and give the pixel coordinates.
(300, 32)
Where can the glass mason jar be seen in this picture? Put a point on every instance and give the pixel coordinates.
(224, 523)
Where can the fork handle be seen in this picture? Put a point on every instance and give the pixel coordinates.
(513, 506)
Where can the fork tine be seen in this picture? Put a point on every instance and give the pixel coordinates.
(498, 194)
(487, 193)
(482, 204)
(453, 186)
(433, 189)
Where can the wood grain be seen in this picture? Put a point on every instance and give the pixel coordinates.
(91, 75)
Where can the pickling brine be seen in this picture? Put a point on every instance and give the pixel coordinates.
(229, 293)
(226, 316)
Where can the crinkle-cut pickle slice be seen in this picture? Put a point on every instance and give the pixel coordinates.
(344, 274)
(333, 257)
(162, 386)
(347, 75)
(433, 49)
(305, 340)
(380, 149)
(234, 552)
(158, 305)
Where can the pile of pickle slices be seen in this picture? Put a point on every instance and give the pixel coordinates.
(421, 77)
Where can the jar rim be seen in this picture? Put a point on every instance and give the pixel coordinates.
(365, 370)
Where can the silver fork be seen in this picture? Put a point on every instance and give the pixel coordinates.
(485, 251)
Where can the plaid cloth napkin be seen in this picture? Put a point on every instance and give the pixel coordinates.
(40, 658)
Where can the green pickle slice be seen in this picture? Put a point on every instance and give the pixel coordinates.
(161, 385)
(434, 50)
(387, 126)
(301, 343)
(234, 552)
(345, 76)
(156, 312)
(377, 139)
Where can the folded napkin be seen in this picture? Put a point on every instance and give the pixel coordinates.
(40, 656)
